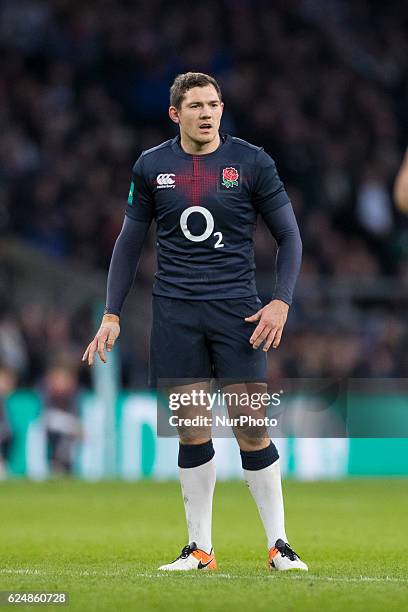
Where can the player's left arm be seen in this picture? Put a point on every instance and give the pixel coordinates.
(274, 205)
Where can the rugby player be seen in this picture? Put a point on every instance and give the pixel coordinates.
(204, 190)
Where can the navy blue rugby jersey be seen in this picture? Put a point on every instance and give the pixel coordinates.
(205, 208)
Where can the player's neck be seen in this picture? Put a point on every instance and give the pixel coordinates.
(192, 147)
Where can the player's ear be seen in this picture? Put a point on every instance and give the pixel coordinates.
(173, 114)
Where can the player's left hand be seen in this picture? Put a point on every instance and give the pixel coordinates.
(272, 319)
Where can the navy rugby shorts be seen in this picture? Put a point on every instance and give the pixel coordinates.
(194, 339)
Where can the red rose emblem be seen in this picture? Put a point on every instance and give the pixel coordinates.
(230, 177)
(230, 174)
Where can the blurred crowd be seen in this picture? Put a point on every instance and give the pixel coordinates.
(59, 393)
(321, 84)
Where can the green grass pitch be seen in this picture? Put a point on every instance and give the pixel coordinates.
(102, 543)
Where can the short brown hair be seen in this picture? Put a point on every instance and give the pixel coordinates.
(183, 82)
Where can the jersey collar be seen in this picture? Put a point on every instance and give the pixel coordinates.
(176, 147)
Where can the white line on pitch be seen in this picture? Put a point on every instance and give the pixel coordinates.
(212, 575)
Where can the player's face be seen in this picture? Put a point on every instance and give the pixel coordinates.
(200, 114)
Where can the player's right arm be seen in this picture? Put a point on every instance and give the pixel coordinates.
(401, 186)
(124, 262)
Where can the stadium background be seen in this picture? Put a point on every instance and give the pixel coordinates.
(322, 85)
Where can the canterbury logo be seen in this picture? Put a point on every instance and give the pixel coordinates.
(166, 181)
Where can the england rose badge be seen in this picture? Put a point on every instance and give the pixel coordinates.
(230, 177)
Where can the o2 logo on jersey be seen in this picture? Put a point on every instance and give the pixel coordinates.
(166, 181)
(209, 229)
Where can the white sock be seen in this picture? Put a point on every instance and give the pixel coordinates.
(266, 488)
(197, 485)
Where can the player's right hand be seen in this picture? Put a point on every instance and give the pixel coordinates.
(107, 334)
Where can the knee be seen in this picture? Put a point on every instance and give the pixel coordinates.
(252, 442)
(193, 438)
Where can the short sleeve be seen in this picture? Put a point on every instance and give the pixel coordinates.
(268, 190)
(140, 203)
